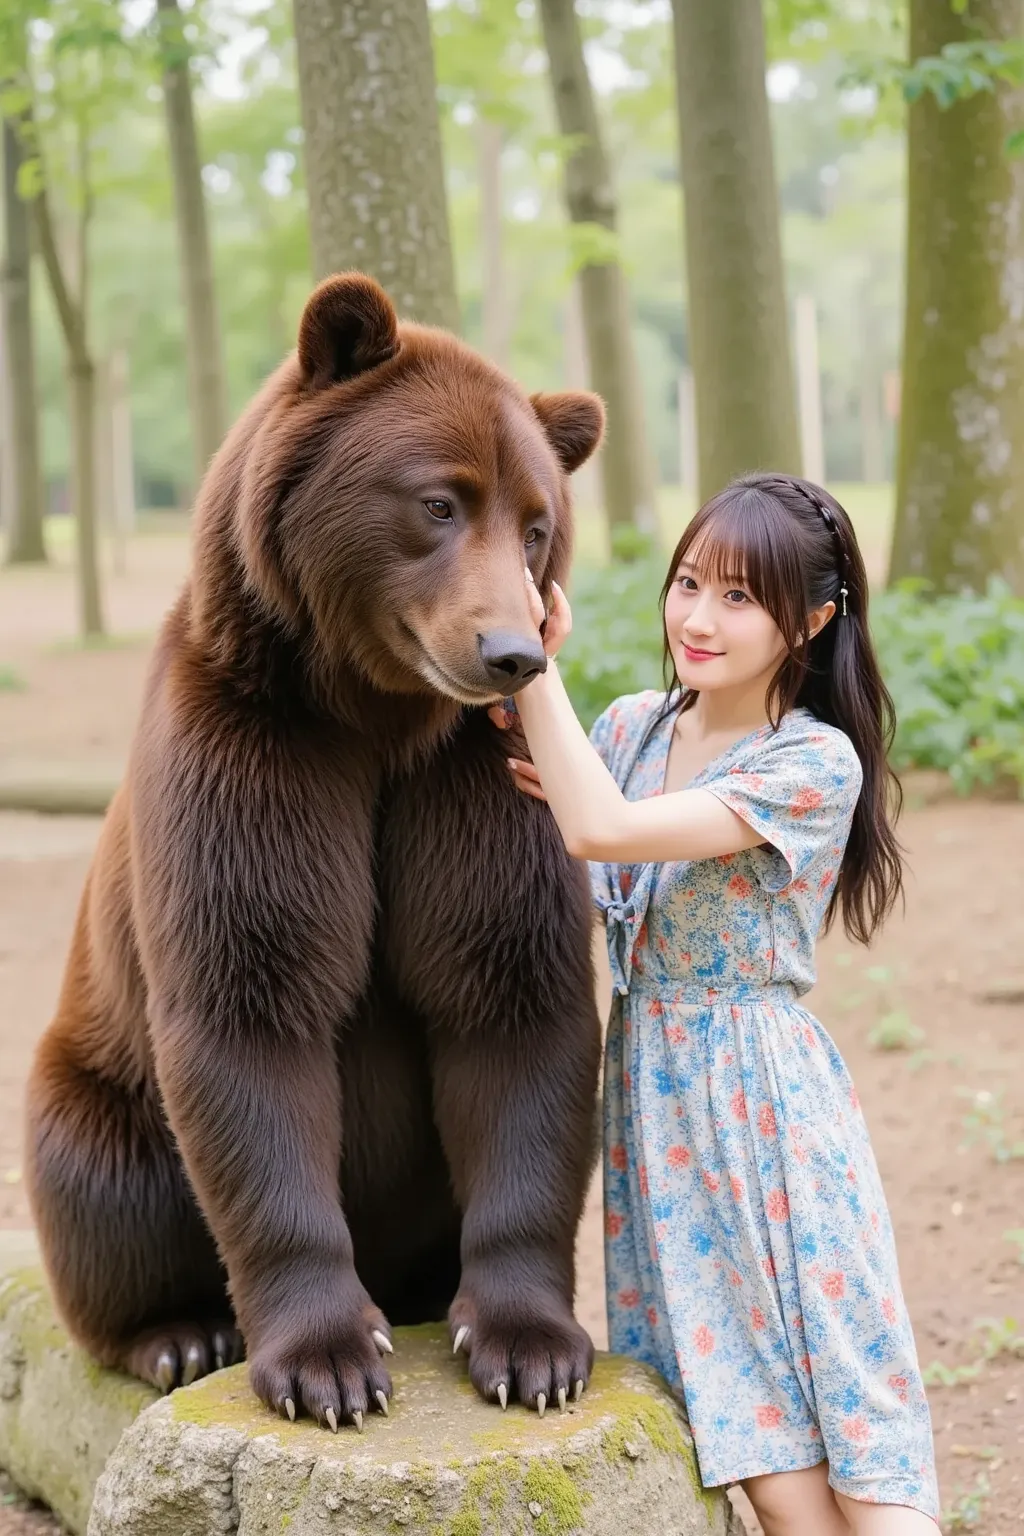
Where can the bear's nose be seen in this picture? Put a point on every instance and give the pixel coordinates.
(511, 660)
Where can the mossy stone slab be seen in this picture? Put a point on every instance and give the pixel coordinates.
(114, 1459)
(444, 1463)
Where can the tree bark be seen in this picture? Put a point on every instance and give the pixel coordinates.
(374, 167)
(739, 331)
(207, 395)
(25, 514)
(625, 464)
(960, 484)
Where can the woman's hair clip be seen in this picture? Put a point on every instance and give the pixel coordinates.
(828, 518)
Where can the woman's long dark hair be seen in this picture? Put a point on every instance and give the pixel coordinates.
(796, 548)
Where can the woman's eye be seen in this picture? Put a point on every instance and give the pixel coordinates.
(439, 508)
(737, 596)
(687, 583)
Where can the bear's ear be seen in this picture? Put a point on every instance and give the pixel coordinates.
(573, 423)
(347, 326)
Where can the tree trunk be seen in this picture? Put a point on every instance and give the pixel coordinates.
(960, 485)
(374, 168)
(82, 393)
(739, 331)
(207, 395)
(72, 316)
(492, 278)
(625, 464)
(25, 514)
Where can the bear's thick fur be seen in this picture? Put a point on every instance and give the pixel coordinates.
(326, 1052)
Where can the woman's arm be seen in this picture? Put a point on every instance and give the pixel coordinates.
(595, 819)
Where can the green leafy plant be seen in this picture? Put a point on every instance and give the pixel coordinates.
(955, 667)
(999, 1336)
(986, 1122)
(967, 1508)
(11, 681)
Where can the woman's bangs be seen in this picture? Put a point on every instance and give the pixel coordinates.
(740, 538)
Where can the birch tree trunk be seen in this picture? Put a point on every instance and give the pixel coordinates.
(207, 394)
(739, 330)
(24, 515)
(374, 167)
(960, 484)
(625, 464)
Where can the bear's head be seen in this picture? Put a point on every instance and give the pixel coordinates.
(394, 486)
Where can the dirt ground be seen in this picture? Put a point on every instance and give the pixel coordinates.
(943, 987)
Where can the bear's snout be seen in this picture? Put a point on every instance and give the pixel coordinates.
(511, 660)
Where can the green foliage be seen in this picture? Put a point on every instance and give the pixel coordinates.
(955, 665)
(616, 641)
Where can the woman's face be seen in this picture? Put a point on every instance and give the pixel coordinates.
(719, 636)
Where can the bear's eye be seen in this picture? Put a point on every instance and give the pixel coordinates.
(532, 537)
(439, 508)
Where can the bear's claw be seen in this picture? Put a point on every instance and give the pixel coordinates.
(166, 1371)
(193, 1365)
(460, 1339)
(542, 1403)
(332, 1419)
(579, 1390)
(561, 1399)
(503, 1395)
(382, 1399)
(357, 1419)
(289, 1408)
(382, 1342)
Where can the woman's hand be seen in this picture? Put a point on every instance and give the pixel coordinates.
(526, 778)
(555, 628)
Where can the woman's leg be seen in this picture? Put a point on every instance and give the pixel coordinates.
(885, 1519)
(797, 1503)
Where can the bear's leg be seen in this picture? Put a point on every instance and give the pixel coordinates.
(131, 1263)
(488, 929)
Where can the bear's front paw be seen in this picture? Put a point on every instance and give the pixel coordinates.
(333, 1370)
(538, 1361)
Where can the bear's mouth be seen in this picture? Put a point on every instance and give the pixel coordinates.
(441, 680)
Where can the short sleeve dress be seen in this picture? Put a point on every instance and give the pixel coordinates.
(749, 1252)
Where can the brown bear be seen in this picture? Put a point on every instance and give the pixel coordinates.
(326, 1052)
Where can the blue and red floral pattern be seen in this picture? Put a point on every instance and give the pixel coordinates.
(750, 1256)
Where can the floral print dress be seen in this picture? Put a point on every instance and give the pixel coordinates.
(749, 1252)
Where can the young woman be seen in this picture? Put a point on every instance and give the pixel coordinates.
(749, 1252)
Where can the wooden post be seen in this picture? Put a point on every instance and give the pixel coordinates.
(122, 455)
(492, 277)
(812, 440)
(103, 449)
(872, 438)
(577, 376)
(7, 491)
(687, 404)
